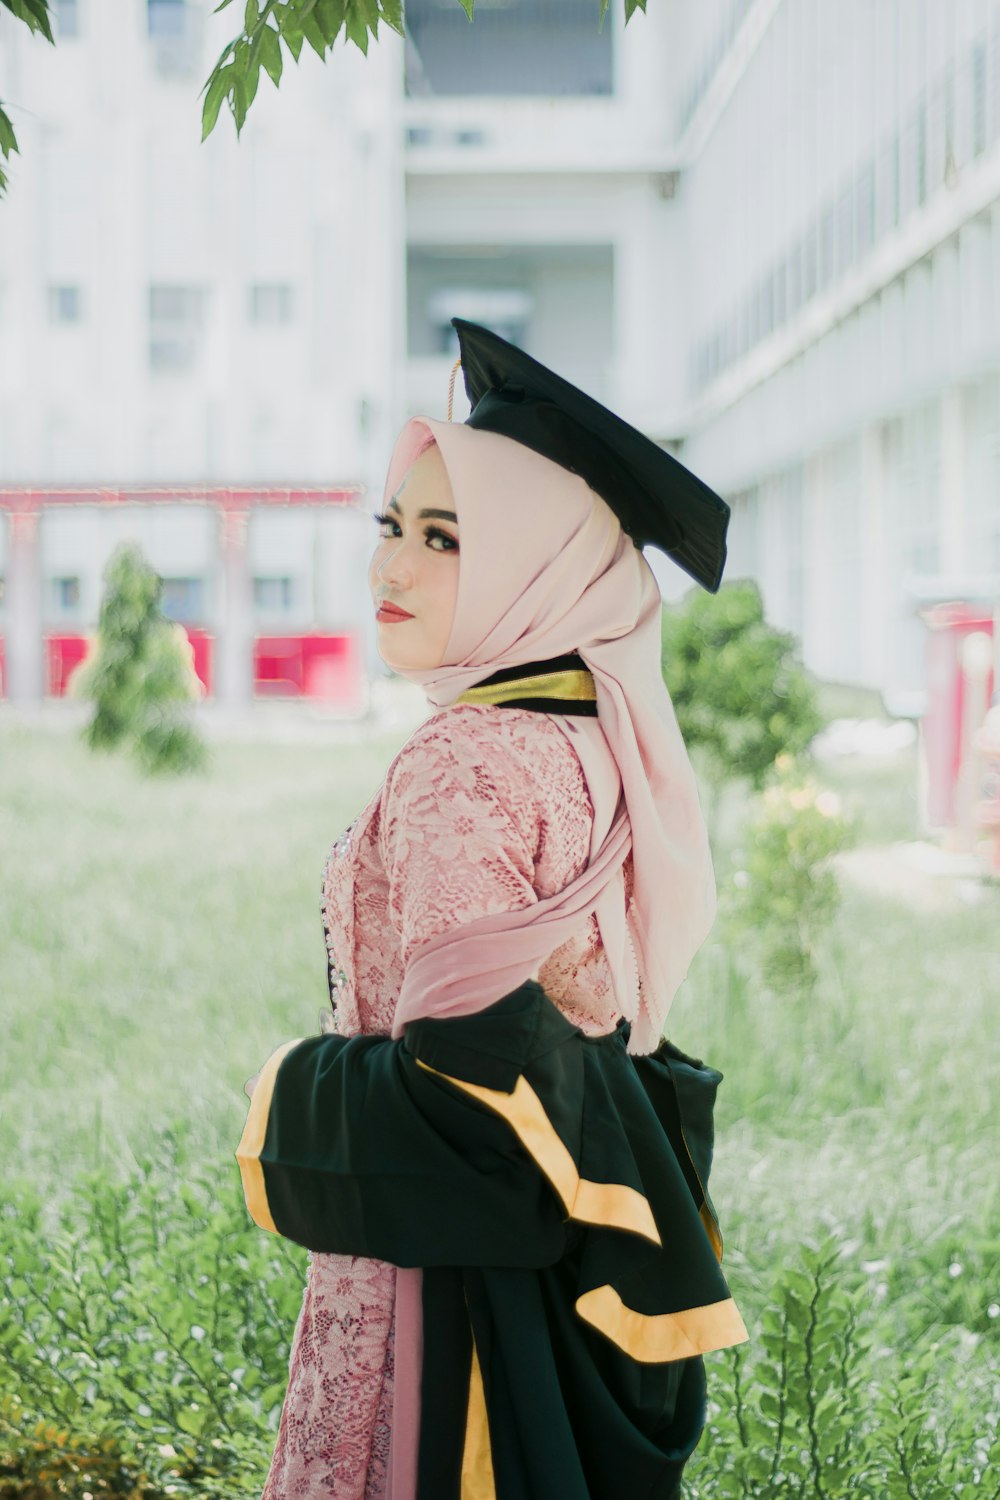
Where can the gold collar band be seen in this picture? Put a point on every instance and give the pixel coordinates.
(569, 686)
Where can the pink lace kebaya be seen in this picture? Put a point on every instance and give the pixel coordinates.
(485, 810)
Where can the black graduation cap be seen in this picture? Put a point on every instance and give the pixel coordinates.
(658, 501)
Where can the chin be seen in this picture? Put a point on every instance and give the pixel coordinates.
(408, 661)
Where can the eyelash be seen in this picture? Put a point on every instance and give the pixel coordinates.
(429, 531)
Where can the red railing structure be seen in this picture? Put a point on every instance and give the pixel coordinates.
(324, 665)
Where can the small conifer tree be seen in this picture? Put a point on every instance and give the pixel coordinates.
(140, 672)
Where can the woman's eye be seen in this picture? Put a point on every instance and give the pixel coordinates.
(450, 542)
(433, 534)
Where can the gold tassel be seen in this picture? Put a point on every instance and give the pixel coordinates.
(451, 385)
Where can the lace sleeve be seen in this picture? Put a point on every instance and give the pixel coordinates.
(459, 832)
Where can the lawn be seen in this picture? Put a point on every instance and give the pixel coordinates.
(162, 937)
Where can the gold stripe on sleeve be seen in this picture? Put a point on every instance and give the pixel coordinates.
(612, 1204)
(478, 1482)
(573, 685)
(652, 1338)
(252, 1140)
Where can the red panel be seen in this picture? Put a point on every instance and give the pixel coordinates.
(317, 665)
(277, 665)
(203, 644)
(949, 624)
(62, 654)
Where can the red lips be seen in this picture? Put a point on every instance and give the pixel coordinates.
(391, 612)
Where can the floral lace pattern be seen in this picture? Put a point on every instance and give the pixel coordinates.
(485, 809)
(333, 1438)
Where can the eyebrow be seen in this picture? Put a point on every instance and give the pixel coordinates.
(422, 515)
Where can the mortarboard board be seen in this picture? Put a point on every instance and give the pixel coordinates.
(658, 501)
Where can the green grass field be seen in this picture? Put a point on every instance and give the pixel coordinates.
(162, 937)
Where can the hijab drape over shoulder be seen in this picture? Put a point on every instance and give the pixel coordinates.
(546, 569)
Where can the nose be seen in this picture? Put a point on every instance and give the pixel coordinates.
(395, 569)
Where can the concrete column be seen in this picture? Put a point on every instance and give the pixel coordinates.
(952, 505)
(877, 602)
(234, 642)
(23, 643)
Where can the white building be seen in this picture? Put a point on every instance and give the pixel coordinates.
(765, 231)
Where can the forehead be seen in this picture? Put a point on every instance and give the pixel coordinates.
(425, 480)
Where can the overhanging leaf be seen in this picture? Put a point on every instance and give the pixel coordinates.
(34, 13)
(8, 140)
(218, 87)
(314, 36)
(392, 14)
(330, 18)
(270, 54)
(251, 81)
(239, 101)
(357, 26)
(293, 40)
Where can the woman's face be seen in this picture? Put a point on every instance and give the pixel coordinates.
(415, 567)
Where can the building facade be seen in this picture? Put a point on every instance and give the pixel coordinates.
(765, 231)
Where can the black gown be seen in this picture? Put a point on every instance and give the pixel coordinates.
(553, 1188)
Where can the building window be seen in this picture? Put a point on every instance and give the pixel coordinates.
(175, 34)
(270, 304)
(793, 280)
(809, 254)
(517, 47)
(67, 19)
(65, 304)
(827, 249)
(505, 310)
(778, 293)
(65, 595)
(273, 595)
(845, 233)
(864, 210)
(183, 599)
(165, 17)
(979, 103)
(920, 154)
(175, 326)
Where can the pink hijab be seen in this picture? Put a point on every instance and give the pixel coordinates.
(546, 569)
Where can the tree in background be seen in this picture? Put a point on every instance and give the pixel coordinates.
(740, 693)
(139, 672)
(268, 27)
(748, 707)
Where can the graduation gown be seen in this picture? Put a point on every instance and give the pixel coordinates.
(553, 1188)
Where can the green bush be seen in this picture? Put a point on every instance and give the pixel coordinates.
(822, 1404)
(784, 893)
(139, 672)
(145, 1332)
(740, 695)
(145, 1337)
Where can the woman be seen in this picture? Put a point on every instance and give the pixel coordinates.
(515, 1266)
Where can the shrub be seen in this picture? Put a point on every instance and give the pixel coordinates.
(145, 1337)
(817, 1407)
(784, 893)
(139, 672)
(739, 693)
